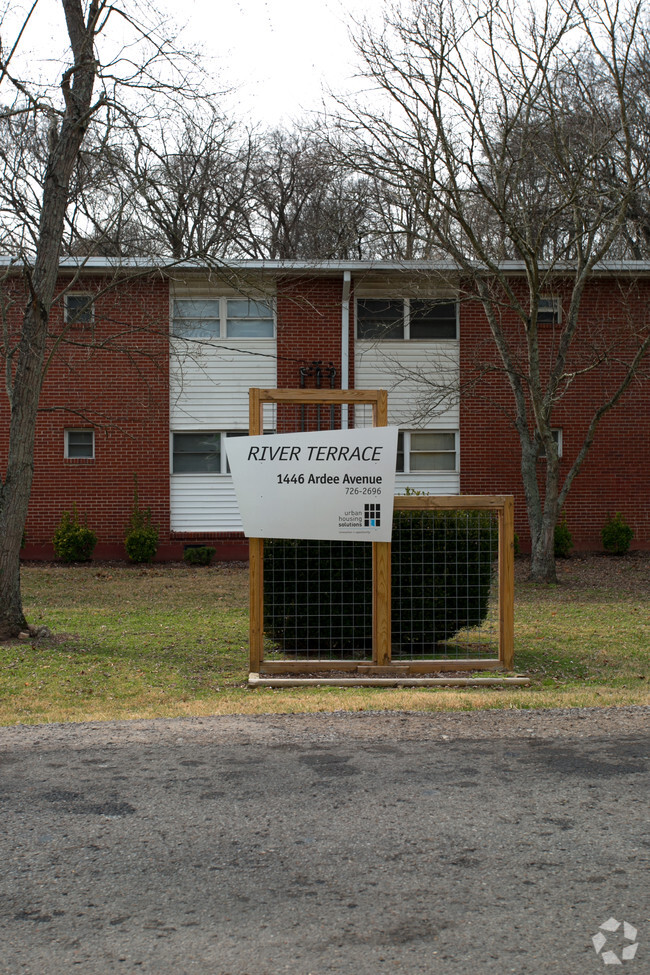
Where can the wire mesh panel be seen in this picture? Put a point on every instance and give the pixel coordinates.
(317, 599)
(317, 594)
(444, 584)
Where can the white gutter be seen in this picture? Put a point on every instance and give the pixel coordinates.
(345, 343)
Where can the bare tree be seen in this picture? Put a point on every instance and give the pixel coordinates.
(516, 133)
(306, 201)
(118, 66)
(192, 185)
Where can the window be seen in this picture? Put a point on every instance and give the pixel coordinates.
(408, 319)
(214, 318)
(379, 319)
(248, 319)
(79, 445)
(78, 309)
(202, 453)
(432, 319)
(548, 311)
(557, 436)
(426, 450)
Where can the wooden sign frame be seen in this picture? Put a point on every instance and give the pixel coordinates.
(377, 399)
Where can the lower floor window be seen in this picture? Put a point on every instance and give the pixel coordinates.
(79, 445)
(426, 450)
(202, 453)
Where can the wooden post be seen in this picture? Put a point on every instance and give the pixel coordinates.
(256, 589)
(381, 621)
(255, 558)
(507, 583)
(381, 580)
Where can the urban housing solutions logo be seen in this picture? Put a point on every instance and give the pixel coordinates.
(626, 942)
(371, 515)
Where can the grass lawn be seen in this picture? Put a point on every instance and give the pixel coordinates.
(164, 641)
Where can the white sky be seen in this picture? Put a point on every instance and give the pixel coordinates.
(279, 54)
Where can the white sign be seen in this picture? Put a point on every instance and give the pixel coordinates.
(331, 484)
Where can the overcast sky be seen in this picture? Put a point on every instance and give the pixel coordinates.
(277, 53)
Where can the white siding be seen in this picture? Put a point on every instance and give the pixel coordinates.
(203, 503)
(430, 482)
(210, 381)
(413, 373)
(209, 390)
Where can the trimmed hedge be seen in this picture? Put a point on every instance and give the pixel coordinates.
(199, 554)
(72, 540)
(442, 568)
(318, 595)
(617, 535)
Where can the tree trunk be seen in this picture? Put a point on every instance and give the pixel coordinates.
(542, 513)
(542, 558)
(77, 87)
(15, 492)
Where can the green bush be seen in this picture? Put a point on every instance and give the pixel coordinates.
(73, 542)
(616, 535)
(318, 595)
(442, 569)
(141, 541)
(563, 539)
(199, 554)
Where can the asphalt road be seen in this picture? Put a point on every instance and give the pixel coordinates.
(261, 846)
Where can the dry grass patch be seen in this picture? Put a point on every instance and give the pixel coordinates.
(165, 641)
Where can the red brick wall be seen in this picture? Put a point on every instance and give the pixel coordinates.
(615, 476)
(309, 315)
(112, 377)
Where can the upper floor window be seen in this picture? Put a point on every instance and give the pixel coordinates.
(214, 318)
(406, 319)
(79, 445)
(78, 309)
(426, 450)
(549, 311)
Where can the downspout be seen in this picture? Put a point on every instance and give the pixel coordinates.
(345, 343)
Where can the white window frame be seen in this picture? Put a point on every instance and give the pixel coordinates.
(406, 304)
(89, 311)
(406, 443)
(223, 460)
(66, 443)
(222, 317)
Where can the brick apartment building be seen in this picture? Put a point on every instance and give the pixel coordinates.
(150, 371)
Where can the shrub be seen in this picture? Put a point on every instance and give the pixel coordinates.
(199, 554)
(616, 535)
(318, 595)
(73, 542)
(141, 541)
(563, 539)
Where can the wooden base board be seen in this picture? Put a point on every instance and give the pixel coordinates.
(304, 665)
(520, 680)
